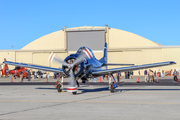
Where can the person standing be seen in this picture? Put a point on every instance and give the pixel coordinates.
(125, 75)
(171, 72)
(151, 76)
(175, 74)
(117, 77)
(0, 72)
(155, 73)
(21, 75)
(55, 75)
(38, 74)
(145, 75)
(29, 75)
(47, 75)
(162, 73)
(33, 75)
(131, 74)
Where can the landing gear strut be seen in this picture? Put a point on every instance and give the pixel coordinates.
(112, 89)
(59, 84)
(112, 84)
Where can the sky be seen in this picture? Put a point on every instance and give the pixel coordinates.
(23, 21)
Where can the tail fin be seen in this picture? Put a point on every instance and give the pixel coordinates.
(104, 58)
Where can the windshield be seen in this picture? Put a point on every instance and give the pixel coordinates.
(80, 50)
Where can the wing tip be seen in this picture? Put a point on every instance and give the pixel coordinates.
(172, 62)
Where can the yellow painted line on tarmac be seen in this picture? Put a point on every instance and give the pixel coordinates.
(128, 102)
(115, 102)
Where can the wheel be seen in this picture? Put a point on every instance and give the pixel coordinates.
(112, 88)
(74, 93)
(59, 88)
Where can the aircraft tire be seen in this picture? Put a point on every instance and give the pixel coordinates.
(74, 93)
(59, 88)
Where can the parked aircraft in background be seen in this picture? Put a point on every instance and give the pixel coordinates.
(15, 72)
(84, 65)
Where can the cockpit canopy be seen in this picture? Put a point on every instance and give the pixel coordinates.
(85, 50)
(17, 68)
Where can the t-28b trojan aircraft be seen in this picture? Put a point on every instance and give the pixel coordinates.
(84, 65)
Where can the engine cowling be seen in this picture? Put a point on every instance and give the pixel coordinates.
(77, 69)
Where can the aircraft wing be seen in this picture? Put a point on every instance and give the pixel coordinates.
(34, 66)
(117, 64)
(131, 68)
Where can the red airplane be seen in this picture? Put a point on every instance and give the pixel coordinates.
(15, 72)
(18, 71)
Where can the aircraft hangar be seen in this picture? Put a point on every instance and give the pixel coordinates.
(123, 47)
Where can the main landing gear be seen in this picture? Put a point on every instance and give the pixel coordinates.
(60, 87)
(112, 84)
(59, 84)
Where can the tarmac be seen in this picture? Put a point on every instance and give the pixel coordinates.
(38, 99)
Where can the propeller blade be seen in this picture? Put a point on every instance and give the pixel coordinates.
(72, 83)
(79, 59)
(71, 79)
(56, 59)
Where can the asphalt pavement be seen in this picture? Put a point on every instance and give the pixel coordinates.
(37, 99)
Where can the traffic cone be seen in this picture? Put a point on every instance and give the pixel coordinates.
(11, 78)
(138, 79)
(157, 78)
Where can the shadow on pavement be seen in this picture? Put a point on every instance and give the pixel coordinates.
(107, 89)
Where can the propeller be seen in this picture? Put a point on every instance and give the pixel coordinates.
(79, 59)
(72, 84)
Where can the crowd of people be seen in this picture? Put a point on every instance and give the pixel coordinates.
(128, 74)
(36, 74)
(150, 75)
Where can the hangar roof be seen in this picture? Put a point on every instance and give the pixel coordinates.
(116, 38)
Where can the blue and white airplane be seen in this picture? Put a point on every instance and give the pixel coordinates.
(84, 65)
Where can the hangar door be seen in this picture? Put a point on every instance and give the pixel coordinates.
(92, 38)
